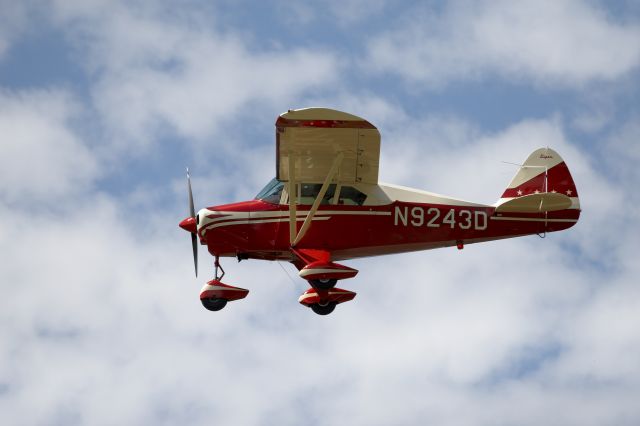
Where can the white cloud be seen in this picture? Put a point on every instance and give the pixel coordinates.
(40, 157)
(157, 71)
(602, 332)
(593, 120)
(551, 43)
(621, 152)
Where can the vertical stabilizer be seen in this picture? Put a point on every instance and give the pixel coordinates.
(544, 171)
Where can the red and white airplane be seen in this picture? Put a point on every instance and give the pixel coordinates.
(326, 205)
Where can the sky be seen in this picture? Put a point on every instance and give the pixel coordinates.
(104, 103)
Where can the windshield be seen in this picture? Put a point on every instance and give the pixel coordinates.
(271, 192)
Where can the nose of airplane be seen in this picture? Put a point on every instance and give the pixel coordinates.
(189, 224)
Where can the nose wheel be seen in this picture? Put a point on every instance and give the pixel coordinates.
(214, 303)
(215, 294)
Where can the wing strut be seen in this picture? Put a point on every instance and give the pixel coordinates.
(292, 200)
(314, 208)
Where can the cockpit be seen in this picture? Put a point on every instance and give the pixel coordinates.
(275, 192)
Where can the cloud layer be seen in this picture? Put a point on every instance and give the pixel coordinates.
(566, 42)
(42, 157)
(158, 70)
(100, 321)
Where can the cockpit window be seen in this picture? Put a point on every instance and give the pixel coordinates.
(271, 192)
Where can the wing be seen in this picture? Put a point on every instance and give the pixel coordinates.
(313, 137)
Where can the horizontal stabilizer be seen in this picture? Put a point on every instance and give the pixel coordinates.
(535, 203)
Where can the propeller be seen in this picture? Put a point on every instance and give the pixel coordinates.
(192, 212)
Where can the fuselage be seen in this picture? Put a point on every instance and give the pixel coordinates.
(391, 219)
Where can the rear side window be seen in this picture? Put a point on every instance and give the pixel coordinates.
(349, 196)
(309, 192)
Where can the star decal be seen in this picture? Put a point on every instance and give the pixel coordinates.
(536, 192)
(569, 192)
(519, 192)
(553, 191)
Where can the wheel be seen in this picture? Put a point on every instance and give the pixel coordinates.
(326, 284)
(325, 309)
(214, 304)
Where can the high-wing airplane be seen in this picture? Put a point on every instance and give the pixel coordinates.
(326, 205)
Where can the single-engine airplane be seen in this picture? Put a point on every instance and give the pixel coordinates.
(326, 205)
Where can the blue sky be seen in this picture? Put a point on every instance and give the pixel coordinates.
(104, 103)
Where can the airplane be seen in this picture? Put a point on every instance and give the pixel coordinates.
(326, 205)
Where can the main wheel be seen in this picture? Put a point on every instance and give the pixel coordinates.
(326, 284)
(325, 309)
(214, 304)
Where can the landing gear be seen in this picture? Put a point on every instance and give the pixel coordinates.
(323, 284)
(323, 302)
(323, 309)
(215, 294)
(217, 265)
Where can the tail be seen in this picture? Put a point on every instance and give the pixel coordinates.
(543, 184)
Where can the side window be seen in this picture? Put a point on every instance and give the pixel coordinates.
(274, 196)
(349, 196)
(309, 192)
(271, 192)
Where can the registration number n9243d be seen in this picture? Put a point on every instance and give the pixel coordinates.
(434, 218)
